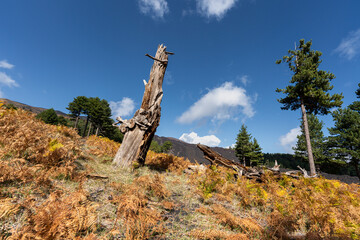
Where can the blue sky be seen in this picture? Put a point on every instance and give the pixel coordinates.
(223, 72)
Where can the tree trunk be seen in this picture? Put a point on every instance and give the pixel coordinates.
(88, 134)
(86, 124)
(139, 131)
(216, 158)
(356, 165)
(97, 131)
(76, 121)
(308, 142)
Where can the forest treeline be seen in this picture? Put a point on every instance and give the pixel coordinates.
(88, 115)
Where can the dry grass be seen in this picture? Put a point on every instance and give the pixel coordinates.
(141, 220)
(213, 234)
(61, 216)
(44, 194)
(321, 207)
(102, 146)
(25, 137)
(163, 162)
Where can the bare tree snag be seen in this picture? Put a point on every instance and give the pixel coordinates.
(140, 130)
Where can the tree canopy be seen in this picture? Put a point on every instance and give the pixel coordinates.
(164, 148)
(77, 106)
(98, 113)
(49, 116)
(309, 85)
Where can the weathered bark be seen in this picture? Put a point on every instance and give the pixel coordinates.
(308, 142)
(139, 131)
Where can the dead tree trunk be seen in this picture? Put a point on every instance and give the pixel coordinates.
(139, 131)
(216, 158)
(248, 172)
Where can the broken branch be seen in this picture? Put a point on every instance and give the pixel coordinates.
(163, 62)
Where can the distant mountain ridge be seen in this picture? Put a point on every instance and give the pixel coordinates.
(192, 152)
(24, 106)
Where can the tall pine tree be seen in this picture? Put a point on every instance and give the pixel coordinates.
(309, 89)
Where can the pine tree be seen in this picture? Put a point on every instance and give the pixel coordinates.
(100, 115)
(317, 139)
(344, 139)
(49, 116)
(167, 145)
(76, 108)
(356, 104)
(309, 89)
(243, 147)
(257, 157)
(155, 146)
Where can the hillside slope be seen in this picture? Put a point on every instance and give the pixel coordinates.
(29, 108)
(55, 185)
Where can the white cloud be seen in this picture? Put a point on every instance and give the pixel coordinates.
(219, 104)
(214, 8)
(169, 79)
(243, 79)
(350, 46)
(5, 64)
(154, 8)
(232, 146)
(8, 81)
(210, 140)
(288, 141)
(122, 108)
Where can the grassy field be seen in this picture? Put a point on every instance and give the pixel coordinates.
(56, 185)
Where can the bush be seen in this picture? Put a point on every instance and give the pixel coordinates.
(156, 147)
(48, 116)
